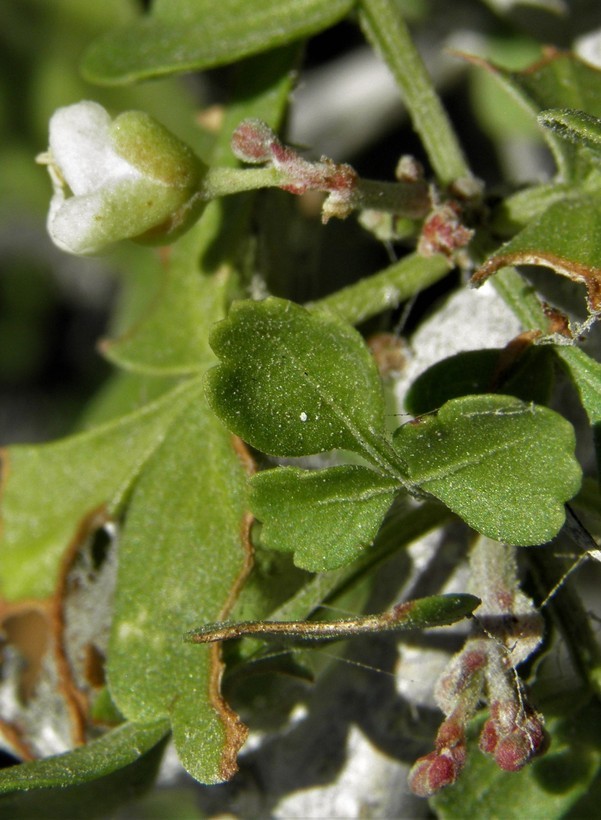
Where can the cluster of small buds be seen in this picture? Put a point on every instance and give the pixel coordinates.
(443, 232)
(507, 630)
(514, 734)
(254, 142)
(440, 768)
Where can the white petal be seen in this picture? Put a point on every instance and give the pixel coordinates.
(75, 225)
(81, 149)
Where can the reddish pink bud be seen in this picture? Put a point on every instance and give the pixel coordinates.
(253, 141)
(513, 752)
(513, 736)
(450, 735)
(489, 737)
(432, 773)
(440, 768)
(443, 232)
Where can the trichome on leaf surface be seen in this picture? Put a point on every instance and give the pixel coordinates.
(309, 407)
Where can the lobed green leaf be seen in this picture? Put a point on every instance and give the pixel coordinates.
(505, 467)
(79, 475)
(182, 553)
(565, 238)
(294, 383)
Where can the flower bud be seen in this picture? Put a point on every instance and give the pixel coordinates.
(128, 178)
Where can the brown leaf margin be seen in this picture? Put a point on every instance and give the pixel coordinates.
(51, 610)
(587, 275)
(236, 731)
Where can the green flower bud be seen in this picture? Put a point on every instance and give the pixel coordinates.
(124, 179)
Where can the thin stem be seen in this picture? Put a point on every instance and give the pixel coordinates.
(385, 29)
(438, 610)
(521, 298)
(386, 289)
(409, 199)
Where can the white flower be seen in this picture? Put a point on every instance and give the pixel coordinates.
(127, 178)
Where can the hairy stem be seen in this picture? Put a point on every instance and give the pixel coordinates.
(409, 199)
(385, 29)
(386, 289)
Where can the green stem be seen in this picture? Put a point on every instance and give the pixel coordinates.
(385, 29)
(221, 181)
(408, 199)
(521, 298)
(386, 289)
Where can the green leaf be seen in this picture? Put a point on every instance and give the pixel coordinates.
(89, 782)
(504, 466)
(549, 788)
(50, 489)
(172, 340)
(180, 557)
(293, 383)
(116, 749)
(529, 378)
(586, 375)
(574, 126)
(560, 80)
(189, 35)
(421, 613)
(325, 517)
(564, 238)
